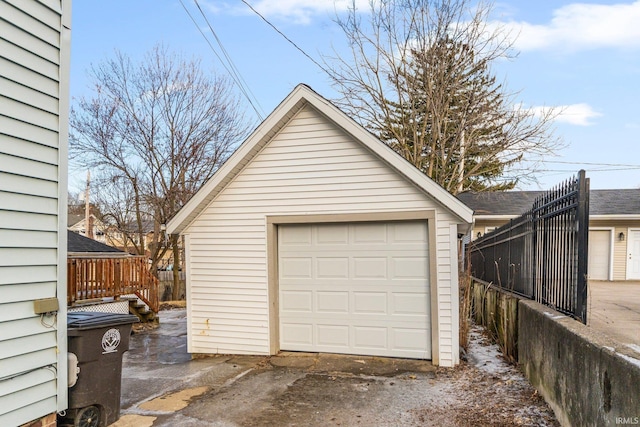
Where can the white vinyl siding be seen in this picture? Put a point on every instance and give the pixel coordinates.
(310, 166)
(33, 120)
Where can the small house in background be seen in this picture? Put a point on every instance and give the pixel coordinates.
(614, 226)
(34, 105)
(76, 223)
(315, 236)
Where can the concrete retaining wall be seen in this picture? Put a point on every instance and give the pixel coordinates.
(497, 311)
(587, 378)
(580, 373)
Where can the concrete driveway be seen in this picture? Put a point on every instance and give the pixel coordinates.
(162, 386)
(614, 309)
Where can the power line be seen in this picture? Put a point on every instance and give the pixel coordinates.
(234, 77)
(621, 169)
(592, 164)
(288, 39)
(229, 60)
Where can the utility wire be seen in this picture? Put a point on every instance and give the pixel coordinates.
(591, 164)
(234, 69)
(288, 39)
(237, 82)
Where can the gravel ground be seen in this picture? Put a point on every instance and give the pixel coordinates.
(487, 391)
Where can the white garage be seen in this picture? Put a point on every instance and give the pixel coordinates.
(315, 236)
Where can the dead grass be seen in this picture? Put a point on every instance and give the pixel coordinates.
(170, 305)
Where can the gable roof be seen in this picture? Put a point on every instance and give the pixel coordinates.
(301, 96)
(621, 202)
(80, 244)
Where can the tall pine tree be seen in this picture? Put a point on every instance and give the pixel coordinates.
(449, 122)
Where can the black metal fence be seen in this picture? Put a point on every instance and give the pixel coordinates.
(542, 255)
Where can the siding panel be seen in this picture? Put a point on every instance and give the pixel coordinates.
(32, 187)
(28, 203)
(19, 148)
(34, 276)
(310, 166)
(26, 132)
(27, 114)
(31, 63)
(24, 363)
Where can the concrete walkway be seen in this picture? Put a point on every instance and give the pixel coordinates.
(163, 386)
(614, 310)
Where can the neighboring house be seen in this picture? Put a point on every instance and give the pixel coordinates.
(614, 226)
(34, 105)
(76, 223)
(80, 246)
(315, 236)
(111, 235)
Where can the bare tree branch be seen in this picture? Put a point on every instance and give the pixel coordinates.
(155, 131)
(418, 74)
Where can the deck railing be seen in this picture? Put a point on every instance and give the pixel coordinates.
(97, 278)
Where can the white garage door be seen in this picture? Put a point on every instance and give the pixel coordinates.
(357, 288)
(599, 254)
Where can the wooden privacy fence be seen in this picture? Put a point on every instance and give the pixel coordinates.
(93, 278)
(543, 254)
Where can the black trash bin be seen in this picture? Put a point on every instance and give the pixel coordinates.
(98, 340)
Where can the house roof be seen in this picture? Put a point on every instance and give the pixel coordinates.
(514, 203)
(80, 244)
(301, 96)
(73, 219)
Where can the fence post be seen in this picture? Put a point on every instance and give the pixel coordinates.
(583, 246)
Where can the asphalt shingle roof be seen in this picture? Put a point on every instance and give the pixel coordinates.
(78, 243)
(601, 202)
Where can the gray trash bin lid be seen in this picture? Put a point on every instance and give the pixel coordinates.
(81, 320)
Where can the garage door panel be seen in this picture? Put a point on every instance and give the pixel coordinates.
(370, 302)
(332, 336)
(332, 268)
(407, 233)
(370, 268)
(296, 267)
(410, 339)
(367, 286)
(370, 337)
(297, 301)
(332, 302)
(411, 303)
(295, 235)
(331, 235)
(370, 233)
(408, 267)
(298, 335)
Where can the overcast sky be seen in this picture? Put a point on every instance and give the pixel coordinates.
(584, 57)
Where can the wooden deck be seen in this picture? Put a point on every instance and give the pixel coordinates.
(98, 278)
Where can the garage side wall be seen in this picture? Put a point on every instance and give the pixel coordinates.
(310, 167)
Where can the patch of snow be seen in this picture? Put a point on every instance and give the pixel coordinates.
(485, 355)
(634, 347)
(630, 359)
(554, 316)
(609, 348)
